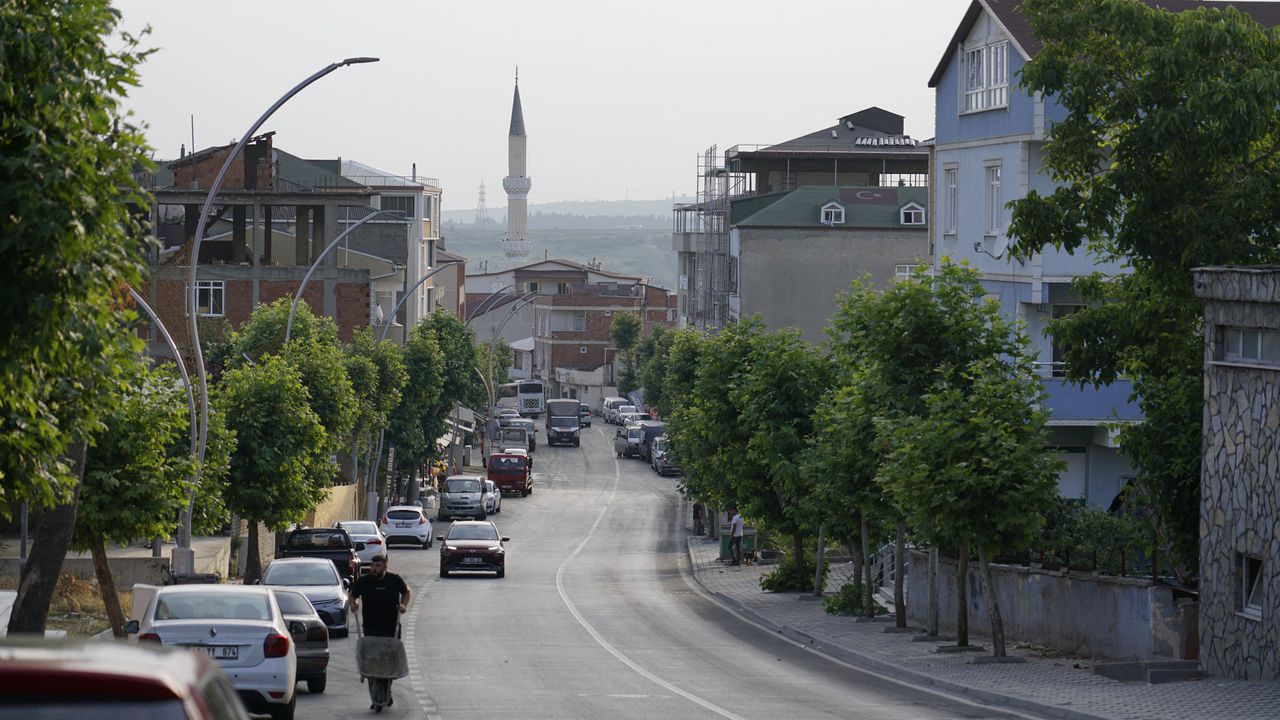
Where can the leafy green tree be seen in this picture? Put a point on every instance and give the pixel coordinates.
(651, 357)
(323, 370)
(460, 382)
(210, 515)
(280, 466)
(415, 423)
(974, 468)
(681, 373)
(625, 333)
(377, 375)
(1166, 159)
(134, 484)
(498, 366)
(264, 333)
(68, 245)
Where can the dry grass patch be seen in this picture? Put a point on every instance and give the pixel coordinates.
(77, 605)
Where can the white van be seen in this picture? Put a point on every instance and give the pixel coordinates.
(609, 404)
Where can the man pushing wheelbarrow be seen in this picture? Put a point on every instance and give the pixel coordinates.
(379, 652)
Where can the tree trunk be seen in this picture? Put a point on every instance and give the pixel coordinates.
(962, 595)
(932, 629)
(993, 604)
(818, 583)
(797, 546)
(107, 586)
(867, 599)
(899, 565)
(253, 561)
(857, 565)
(49, 548)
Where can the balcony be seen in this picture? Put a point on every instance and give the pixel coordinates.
(1071, 404)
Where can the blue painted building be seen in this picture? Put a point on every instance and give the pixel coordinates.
(989, 150)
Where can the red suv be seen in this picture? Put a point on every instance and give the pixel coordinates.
(473, 545)
(105, 680)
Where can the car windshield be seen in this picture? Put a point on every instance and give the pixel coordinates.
(361, 528)
(513, 434)
(318, 573)
(213, 606)
(291, 603)
(633, 433)
(462, 485)
(403, 514)
(565, 422)
(499, 462)
(473, 532)
(489, 487)
(318, 540)
(626, 409)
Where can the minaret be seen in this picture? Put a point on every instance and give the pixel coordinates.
(516, 183)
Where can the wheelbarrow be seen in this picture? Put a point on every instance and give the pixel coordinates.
(380, 660)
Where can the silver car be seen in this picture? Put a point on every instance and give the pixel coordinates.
(492, 497)
(462, 496)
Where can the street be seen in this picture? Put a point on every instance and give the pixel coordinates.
(598, 618)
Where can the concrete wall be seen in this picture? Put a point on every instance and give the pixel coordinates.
(341, 503)
(793, 276)
(1098, 616)
(127, 571)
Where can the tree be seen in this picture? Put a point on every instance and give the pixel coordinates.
(415, 424)
(974, 468)
(651, 357)
(280, 466)
(498, 365)
(460, 382)
(625, 333)
(68, 245)
(377, 375)
(135, 484)
(1168, 159)
(210, 515)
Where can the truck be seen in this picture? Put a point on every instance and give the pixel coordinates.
(564, 427)
(333, 544)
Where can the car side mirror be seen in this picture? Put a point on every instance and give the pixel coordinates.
(256, 582)
(506, 539)
(132, 627)
(359, 547)
(297, 628)
(346, 583)
(439, 538)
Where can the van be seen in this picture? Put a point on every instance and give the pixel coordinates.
(650, 430)
(510, 472)
(609, 404)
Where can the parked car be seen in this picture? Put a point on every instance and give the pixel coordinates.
(510, 472)
(624, 418)
(310, 638)
(462, 495)
(406, 524)
(608, 405)
(650, 430)
(367, 532)
(473, 545)
(240, 627)
(319, 581)
(584, 414)
(492, 497)
(630, 435)
(333, 544)
(615, 415)
(661, 456)
(95, 680)
(531, 428)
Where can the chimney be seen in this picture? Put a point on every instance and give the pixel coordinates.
(183, 152)
(415, 172)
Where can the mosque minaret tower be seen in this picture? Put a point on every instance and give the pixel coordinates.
(517, 183)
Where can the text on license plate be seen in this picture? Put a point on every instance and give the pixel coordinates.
(473, 560)
(222, 652)
(403, 524)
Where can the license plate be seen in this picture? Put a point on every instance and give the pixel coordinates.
(402, 525)
(222, 652)
(475, 560)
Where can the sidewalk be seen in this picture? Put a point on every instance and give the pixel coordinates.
(1047, 686)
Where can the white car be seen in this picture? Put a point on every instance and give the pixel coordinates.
(240, 627)
(615, 415)
(492, 497)
(367, 532)
(406, 524)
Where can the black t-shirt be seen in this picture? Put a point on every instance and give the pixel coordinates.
(379, 602)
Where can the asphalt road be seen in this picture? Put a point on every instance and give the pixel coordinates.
(597, 618)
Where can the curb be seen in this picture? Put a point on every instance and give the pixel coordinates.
(884, 667)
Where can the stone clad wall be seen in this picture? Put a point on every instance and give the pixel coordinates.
(1240, 489)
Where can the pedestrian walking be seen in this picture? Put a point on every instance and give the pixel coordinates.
(698, 512)
(735, 536)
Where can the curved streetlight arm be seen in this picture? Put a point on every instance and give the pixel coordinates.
(409, 293)
(493, 296)
(184, 539)
(297, 296)
(194, 260)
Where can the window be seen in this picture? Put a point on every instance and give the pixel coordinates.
(994, 208)
(1249, 569)
(950, 200)
(986, 77)
(402, 204)
(833, 214)
(1250, 345)
(210, 298)
(562, 288)
(582, 349)
(533, 287)
(579, 320)
(911, 214)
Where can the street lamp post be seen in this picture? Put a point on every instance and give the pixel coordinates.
(193, 326)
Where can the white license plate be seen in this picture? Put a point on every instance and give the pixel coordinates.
(475, 560)
(402, 525)
(222, 652)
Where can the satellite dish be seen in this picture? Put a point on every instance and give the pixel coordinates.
(378, 314)
(1001, 245)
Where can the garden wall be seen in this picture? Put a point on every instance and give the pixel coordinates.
(1096, 616)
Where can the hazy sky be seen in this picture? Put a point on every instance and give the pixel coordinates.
(619, 98)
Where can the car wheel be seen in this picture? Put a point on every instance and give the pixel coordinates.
(441, 517)
(502, 573)
(315, 686)
(285, 712)
(482, 515)
(576, 443)
(426, 544)
(444, 571)
(344, 632)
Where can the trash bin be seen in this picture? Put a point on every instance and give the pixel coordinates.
(748, 541)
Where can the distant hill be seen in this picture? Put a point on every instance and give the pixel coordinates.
(604, 214)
